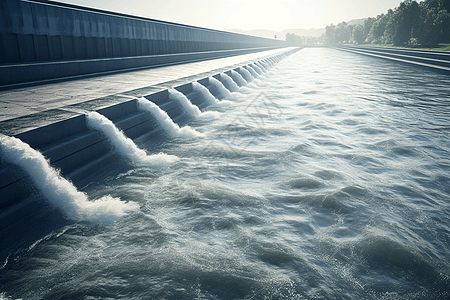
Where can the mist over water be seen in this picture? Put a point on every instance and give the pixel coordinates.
(326, 178)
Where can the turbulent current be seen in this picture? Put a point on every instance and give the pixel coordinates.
(326, 177)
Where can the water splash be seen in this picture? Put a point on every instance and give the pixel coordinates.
(219, 85)
(257, 69)
(205, 92)
(238, 78)
(267, 63)
(229, 82)
(59, 191)
(261, 66)
(165, 121)
(188, 107)
(271, 61)
(246, 74)
(252, 71)
(124, 145)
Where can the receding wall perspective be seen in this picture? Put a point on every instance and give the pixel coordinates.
(42, 40)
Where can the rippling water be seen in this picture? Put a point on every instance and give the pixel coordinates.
(328, 177)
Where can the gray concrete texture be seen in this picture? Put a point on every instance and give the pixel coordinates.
(435, 60)
(43, 41)
(34, 30)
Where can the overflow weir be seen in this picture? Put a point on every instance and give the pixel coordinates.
(80, 86)
(73, 147)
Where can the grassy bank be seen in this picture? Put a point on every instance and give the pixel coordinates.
(438, 47)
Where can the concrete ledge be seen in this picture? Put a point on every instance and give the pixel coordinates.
(440, 55)
(23, 74)
(437, 61)
(64, 138)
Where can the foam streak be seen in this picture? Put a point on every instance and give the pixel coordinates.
(205, 92)
(219, 85)
(188, 107)
(246, 74)
(59, 191)
(164, 120)
(257, 69)
(124, 145)
(229, 82)
(252, 71)
(238, 78)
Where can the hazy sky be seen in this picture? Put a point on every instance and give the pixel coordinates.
(248, 14)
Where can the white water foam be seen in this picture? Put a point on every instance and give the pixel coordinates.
(205, 93)
(124, 145)
(230, 82)
(246, 74)
(255, 83)
(268, 63)
(238, 78)
(252, 71)
(272, 60)
(188, 107)
(219, 85)
(257, 69)
(261, 66)
(165, 121)
(58, 190)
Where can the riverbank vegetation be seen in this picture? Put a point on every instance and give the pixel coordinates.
(412, 24)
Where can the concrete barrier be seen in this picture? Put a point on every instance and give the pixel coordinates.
(41, 40)
(435, 60)
(13, 75)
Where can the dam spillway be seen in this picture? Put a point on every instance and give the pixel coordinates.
(325, 177)
(270, 174)
(65, 138)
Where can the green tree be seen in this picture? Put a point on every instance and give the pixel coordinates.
(343, 32)
(410, 23)
(330, 35)
(404, 24)
(435, 25)
(358, 34)
(368, 23)
(377, 31)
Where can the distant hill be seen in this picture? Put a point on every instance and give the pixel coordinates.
(356, 22)
(281, 35)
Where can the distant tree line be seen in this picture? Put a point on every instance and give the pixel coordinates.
(412, 23)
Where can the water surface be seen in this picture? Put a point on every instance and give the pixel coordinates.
(327, 177)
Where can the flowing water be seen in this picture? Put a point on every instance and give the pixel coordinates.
(329, 178)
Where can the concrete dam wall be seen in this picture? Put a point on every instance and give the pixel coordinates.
(44, 40)
(71, 146)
